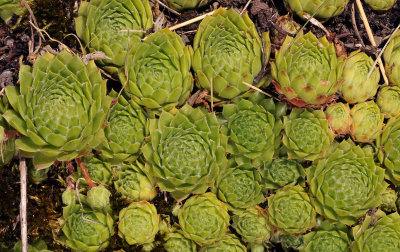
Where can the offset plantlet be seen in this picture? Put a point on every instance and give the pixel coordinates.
(59, 108)
(356, 87)
(158, 71)
(347, 183)
(228, 243)
(367, 122)
(329, 8)
(253, 130)
(320, 241)
(175, 241)
(389, 198)
(86, 229)
(290, 210)
(10, 7)
(180, 5)
(381, 5)
(392, 59)
(99, 171)
(227, 52)
(388, 100)
(338, 116)
(204, 219)
(100, 23)
(252, 225)
(139, 224)
(185, 154)
(281, 172)
(389, 149)
(384, 235)
(126, 130)
(307, 135)
(239, 187)
(133, 184)
(307, 70)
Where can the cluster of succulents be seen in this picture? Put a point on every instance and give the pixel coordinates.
(306, 171)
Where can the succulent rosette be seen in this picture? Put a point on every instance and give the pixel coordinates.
(356, 87)
(367, 122)
(133, 184)
(185, 153)
(239, 187)
(381, 5)
(252, 225)
(175, 241)
(384, 235)
(228, 243)
(180, 5)
(389, 197)
(329, 8)
(290, 210)
(59, 109)
(86, 229)
(7, 136)
(10, 7)
(281, 172)
(252, 130)
(347, 183)
(389, 149)
(36, 246)
(204, 219)
(392, 59)
(307, 70)
(388, 100)
(322, 241)
(286, 23)
(98, 170)
(126, 130)
(307, 135)
(100, 24)
(158, 71)
(98, 197)
(227, 52)
(338, 116)
(139, 224)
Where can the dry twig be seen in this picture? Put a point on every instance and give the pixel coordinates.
(191, 21)
(245, 7)
(23, 205)
(371, 38)
(168, 8)
(353, 21)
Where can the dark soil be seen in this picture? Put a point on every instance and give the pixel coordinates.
(56, 16)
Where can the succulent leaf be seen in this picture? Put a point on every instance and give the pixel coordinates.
(175, 241)
(180, 5)
(228, 243)
(10, 7)
(381, 5)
